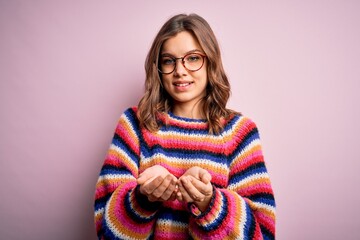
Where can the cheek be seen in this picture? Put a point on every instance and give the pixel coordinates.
(202, 75)
(166, 82)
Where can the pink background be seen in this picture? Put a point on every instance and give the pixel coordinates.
(68, 69)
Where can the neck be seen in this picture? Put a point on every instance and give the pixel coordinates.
(189, 111)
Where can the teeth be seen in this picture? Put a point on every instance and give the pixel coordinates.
(182, 84)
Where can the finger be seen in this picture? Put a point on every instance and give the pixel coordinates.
(182, 194)
(179, 196)
(152, 198)
(173, 196)
(205, 189)
(164, 186)
(169, 192)
(149, 186)
(172, 189)
(145, 185)
(204, 175)
(191, 190)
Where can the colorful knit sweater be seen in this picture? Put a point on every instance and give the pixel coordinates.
(242, 206)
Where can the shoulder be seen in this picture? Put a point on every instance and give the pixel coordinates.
(131, 111)
(239, 132)
(240, 123)
(129, 116)
(128, 125)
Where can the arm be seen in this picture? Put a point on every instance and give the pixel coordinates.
(120, 210)
(246, 207)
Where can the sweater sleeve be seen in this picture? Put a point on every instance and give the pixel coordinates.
(245, 209)
(120, 211)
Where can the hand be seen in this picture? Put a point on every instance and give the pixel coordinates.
(158, 184)
(199, 173)
(195, 186)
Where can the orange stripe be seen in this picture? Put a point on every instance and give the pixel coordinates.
(183, 166)
(256, 181)
(118, 224)
(124, 159)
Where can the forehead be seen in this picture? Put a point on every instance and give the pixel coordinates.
(181, 43)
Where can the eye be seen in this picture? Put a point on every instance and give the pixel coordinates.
(167, 61)
(193, 58)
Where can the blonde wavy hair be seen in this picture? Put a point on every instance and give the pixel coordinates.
(156, 100)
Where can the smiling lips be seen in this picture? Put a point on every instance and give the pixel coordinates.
(182, 84)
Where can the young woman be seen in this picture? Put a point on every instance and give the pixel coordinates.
(181, 165)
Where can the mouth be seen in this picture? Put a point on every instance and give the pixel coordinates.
(182, 84)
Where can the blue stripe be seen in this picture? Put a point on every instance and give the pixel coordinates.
(108, 234)
(220, 218)
(249, 228)
(136, 217)
(173, 215)
(265, 198)
(190, 131)
(115, 171)
(247, 173)
(248, 139)
(133, 120)
(119, 142)
(184, 154)
(101, 202)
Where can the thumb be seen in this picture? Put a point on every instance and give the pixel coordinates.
(143, 177)
(205, 176)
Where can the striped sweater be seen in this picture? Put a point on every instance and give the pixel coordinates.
(242, 206)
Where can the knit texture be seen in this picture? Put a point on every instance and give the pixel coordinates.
(242, 206)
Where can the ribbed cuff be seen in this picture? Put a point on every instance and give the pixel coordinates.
(196, 212)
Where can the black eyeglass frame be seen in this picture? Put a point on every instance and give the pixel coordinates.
(182, 62)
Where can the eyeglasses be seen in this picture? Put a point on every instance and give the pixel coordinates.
(191, 61)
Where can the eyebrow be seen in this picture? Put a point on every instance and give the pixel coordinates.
(191, 51)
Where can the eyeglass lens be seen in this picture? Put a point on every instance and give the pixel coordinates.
(192, 62)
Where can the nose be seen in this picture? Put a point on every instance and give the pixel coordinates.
(179, 67)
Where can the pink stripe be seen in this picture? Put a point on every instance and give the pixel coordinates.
(266, 221)
(243, 163)
(176, 205)
(238, 134)
(100, 192)
(257, 188)
(121, 215)
(229, 221)
(173, 235)
(189, 144)
(124, 134)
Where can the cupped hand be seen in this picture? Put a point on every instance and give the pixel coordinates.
(158, 184)
(199, 173)
(195, 186)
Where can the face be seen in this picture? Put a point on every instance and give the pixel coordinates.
(184, 86)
